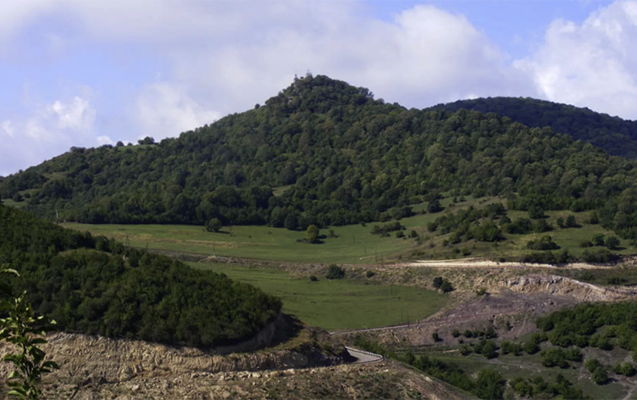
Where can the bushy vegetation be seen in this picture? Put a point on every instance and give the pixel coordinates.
(489, 384)
(335, 272)
(326, 153)
(97, 286)
(538, 388)
(579, 326)
(615, 135)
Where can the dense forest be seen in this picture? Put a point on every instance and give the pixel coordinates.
(97, 286)
(323, 152)
(615, 135)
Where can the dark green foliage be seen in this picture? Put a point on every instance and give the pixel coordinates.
(612, 243)
(579, 326)
(560, 222)
(438, 282)
(96, 286)
(214, 225)
(345, 157)
(387, 228)
(544, 243)
(600, 376)
(626, 369)
(434, 206)
(455, 333)
(617, 136)
(537, 387)
(554, 357)
(488, 385)
(592, 364)
(571, 222)
(520, 226)
(536, 212)
(436, 337)
(599, 256)
(487, 348)
(540, 258)
(446, 286)
(335, 272)
(532, 345)
(511, 348)
(370, 273)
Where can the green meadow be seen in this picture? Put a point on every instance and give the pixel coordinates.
(338, 304)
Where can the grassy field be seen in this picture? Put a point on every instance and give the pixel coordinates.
(338, 304)
(353, 244)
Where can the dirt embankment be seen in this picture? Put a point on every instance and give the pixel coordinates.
(88, 362)
(563, 286)
(98, 368)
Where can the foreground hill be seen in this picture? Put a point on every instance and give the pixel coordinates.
(326, 153)
(96, 286)
(615, 135)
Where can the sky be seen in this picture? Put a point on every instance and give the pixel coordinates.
(91, 72)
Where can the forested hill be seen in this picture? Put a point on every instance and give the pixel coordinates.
(615, 135)
(326, 153)
(96, 286)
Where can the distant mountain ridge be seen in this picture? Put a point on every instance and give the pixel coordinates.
(613, 134)
(326, 153)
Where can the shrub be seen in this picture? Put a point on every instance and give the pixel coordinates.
(554, 358)
(446, 286)
(436, 337)
(214, 225)
(600, 376)
(370, 273)
(612, 243)
(544, 243)
(592, 364)
(571, 222)
(335, 272)
(438, 282)
(313, 278)
(455, 333)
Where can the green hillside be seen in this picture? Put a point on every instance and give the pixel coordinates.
(96, 286)
(323, 152)
(615, 135)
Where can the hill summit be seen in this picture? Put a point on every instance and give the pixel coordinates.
(323, 152)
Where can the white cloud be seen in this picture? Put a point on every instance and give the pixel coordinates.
(166, 110)
(8, 128)
(592, 64)
(104, 140)
(49, 130)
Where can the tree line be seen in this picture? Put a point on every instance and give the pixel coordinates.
(94, 285)
(323, 153)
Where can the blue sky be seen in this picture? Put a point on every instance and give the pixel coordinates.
(86, 73)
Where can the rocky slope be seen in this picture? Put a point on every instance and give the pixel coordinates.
(98, 368)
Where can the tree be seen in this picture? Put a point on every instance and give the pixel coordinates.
(434, 206)
(600, 376)
(291, 222)
(146, 140)
(612, 242)
(312, 233)
(24, 330)
(214, 225)
(438, 282)
(571, 222)
(446, 286)
(598, 240)
(536, 212)
(560, 222)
